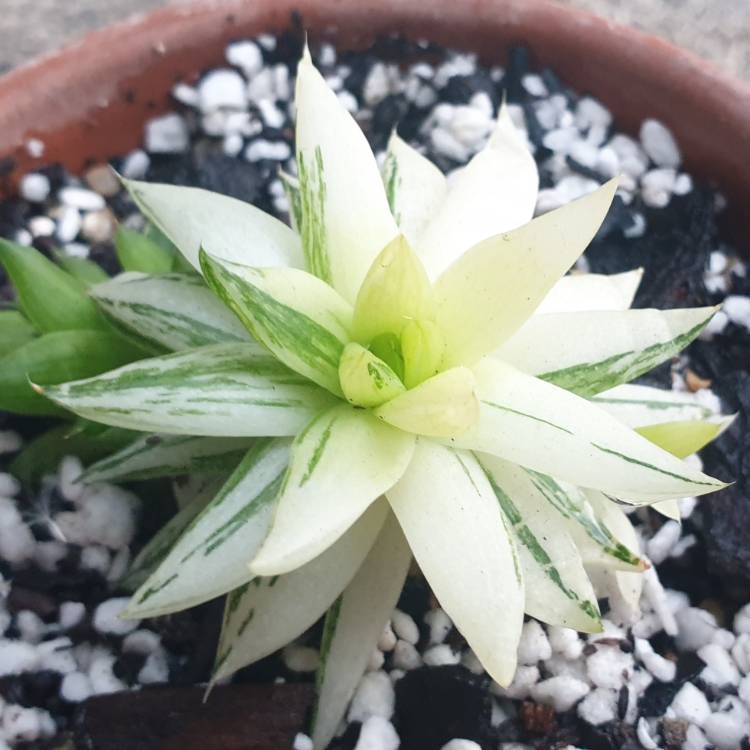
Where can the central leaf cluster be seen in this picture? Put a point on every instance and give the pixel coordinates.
(397, 344)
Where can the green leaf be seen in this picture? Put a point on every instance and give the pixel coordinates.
(682, 439)
(415, 188)
(354, 625)
(422, 349)
(137, 252)
(580, 292)
(15, 331)
(225, 390)
(345, 218)
(341, 463)
(43, 454)
(49, 297)
(365, 379)
(588, 353)
(225, 227)
(443, 406)
(456, 530)
(557, 588)
(176, 311)
(83, 269)
(494, 193)
(158, 547)
(211, 556)
(54, 358)
(302, 320)
(496, 285)
(395, 291)
(152, 456)
(545, 428)
(267, 613)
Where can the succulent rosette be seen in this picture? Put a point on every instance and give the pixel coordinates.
(408, 372)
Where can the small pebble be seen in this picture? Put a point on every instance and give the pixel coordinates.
(720, 669)
(460, 744)
(439, 623)
(81, 198)
(691, 704)
(387, 640)
(301, 658)
(724, 731)
(103, 180)
(245, 55)
(659, 143)
(107, 617)
(221, 89)
(135, 165)
(405, 627)
(166, 135)
(440, 655)
(374, 696)
(75, 687)
(406, 656)
(34, 187)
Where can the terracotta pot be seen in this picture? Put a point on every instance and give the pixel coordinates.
(88, 102)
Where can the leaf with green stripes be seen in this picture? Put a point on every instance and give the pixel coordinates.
(226, 227)
(588, 353)
(15, 331)
(345, 218)
(49, 297)
(580, 292)
(595, 541)
(225, 390)
(353, 626)
(302, 320)
(463, 545)
(152, 456)
(556, 586)
(54, 358)
(211, 556)
(267, 613)
(533, 423)
(641, 405)
(202, 490)
(177, 311)
(341, 463)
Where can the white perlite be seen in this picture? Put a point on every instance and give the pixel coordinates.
(377, 733)
(34, 187)
(561, 692)
(245, 55)
(222, 89)
(405, 627)
(609, 667)
(599, 706)
(166, 135)
(659, 143)
(533, 646)
(107, 617)
(691, 704)
(461, 744)
(374, 697)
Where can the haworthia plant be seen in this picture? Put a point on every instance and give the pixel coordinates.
(406, 371)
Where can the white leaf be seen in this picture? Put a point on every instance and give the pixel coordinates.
(353, 626)
(579, 292)
(345, 218)
(494, 193)
(545, 428)
(495, 286)
(458, 535)
(225, 227)
(341, 463)
(267, 613)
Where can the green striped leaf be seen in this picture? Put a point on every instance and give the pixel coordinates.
(580, 292)
(458, 534)
(225, 227)
(640, 405)
(622, 588)
(557, 589)
(15, 331)
(201, 492)
(138, 252)
(50, 298)
(302, 320)
(226, 390)
(267, 613)
(353, 626)
(211, 556)
(594, 539)
(176, 311)
(494, 193)
(341, 463)
(550, 430)
(345, 218)
(153, 456)
(495, 286)
(415, 188)
(588, 353)
(54, 358)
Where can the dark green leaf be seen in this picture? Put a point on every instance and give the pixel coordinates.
(15, 330)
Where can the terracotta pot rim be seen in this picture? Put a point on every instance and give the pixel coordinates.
(77, 100)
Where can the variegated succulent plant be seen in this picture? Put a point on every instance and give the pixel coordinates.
(407, 372)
